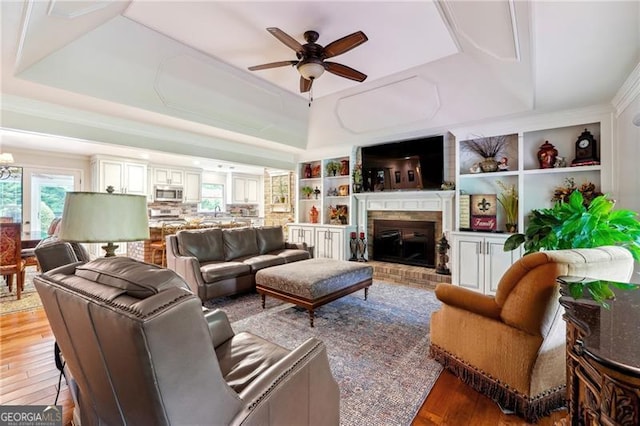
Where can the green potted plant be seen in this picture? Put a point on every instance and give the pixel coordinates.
(571, 224)
(332, 168)
(307, 191)
(508, 199)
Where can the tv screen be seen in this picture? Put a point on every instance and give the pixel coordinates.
(406, 165)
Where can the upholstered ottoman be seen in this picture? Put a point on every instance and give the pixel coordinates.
(313, 282)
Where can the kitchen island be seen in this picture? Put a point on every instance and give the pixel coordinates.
(141, 250)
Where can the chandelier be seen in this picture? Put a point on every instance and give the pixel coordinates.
(5, 170)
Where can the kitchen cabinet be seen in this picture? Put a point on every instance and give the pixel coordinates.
(168, 176)
(192, 186)
(245, 189)
(125, 176)
(480, 261)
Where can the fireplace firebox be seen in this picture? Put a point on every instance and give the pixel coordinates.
(410, 242)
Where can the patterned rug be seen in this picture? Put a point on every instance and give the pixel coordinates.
(29, 298)
(378, 349)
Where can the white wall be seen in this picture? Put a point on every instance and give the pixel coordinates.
(627, 156)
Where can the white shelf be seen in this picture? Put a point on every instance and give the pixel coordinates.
(562, 170)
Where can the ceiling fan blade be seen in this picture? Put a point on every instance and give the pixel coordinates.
(344, 44)
(344, 71)
(286, 39)
(272, 65)
(305, 85)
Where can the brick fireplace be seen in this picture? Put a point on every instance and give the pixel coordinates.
(405, 206)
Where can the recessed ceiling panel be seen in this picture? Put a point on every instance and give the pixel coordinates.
(401, 35)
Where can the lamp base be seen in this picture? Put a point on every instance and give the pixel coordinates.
(110, 249)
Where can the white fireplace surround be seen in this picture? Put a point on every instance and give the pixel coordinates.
(419, 201)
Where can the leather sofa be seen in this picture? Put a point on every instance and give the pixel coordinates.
(511, 346)
(143, 351)
(221, 262)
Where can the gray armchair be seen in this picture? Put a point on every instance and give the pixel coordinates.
(143, 351)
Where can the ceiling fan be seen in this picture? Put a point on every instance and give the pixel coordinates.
(311, 56)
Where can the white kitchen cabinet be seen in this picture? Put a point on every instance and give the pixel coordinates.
(168, 176)
(480, 261)
(245, 189)
(126, 177)
(192, 186)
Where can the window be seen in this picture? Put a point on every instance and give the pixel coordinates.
(212, 197)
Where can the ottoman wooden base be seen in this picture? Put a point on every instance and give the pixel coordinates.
(267, 282)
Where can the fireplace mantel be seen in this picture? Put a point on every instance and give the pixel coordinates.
(441, 201)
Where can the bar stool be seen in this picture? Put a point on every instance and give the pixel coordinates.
(160, 246)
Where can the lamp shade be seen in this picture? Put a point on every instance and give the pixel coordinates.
(96, 217)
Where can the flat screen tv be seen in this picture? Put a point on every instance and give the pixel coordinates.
(414, 164)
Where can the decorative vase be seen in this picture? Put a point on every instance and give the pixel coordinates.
(353, 247)
(357, 188)
(547, 155)
(313, 214)
(307, 171)
(489, 165)
(362, 248)
(512, 228)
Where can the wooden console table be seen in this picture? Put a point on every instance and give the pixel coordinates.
(603, 357)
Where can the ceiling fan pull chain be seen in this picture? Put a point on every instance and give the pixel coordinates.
(310, 96)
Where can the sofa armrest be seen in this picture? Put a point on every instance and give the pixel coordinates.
(468, 300)
(300, 246)
(219, 326)
(302, 375)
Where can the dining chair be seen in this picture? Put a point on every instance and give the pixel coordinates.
(11, 262)
(29, 255)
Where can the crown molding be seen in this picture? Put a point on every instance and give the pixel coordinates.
(628, 92)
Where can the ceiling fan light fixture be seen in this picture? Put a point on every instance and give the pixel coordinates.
(311, 70)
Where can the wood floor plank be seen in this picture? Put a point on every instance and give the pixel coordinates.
(28, 376)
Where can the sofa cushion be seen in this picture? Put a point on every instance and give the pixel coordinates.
(292, 255)
(206, 245)
(239, 242)
(270, 238)
(263, 261)
(138, 279)
(216, 271)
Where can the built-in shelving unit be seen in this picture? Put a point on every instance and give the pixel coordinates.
(478, 261)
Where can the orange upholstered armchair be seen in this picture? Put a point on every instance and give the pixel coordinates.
(511, 347)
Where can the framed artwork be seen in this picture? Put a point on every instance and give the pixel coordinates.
(411, 174)
(397, 177)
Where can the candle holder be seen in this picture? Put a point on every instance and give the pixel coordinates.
(353, 246)
(362, 247)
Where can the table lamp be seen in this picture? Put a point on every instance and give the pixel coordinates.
(98, 217)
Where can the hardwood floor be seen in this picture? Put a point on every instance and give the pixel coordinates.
(28, 375)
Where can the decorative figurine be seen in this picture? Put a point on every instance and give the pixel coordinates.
(503, 164)
(317, 192)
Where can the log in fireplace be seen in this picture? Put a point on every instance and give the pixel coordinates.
(410, 242)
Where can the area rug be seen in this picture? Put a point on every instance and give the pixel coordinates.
(29, 298)
(378, 349)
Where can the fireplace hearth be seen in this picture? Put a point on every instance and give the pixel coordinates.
(409, 242)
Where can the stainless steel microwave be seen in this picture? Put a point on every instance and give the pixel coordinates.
(167, 193)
